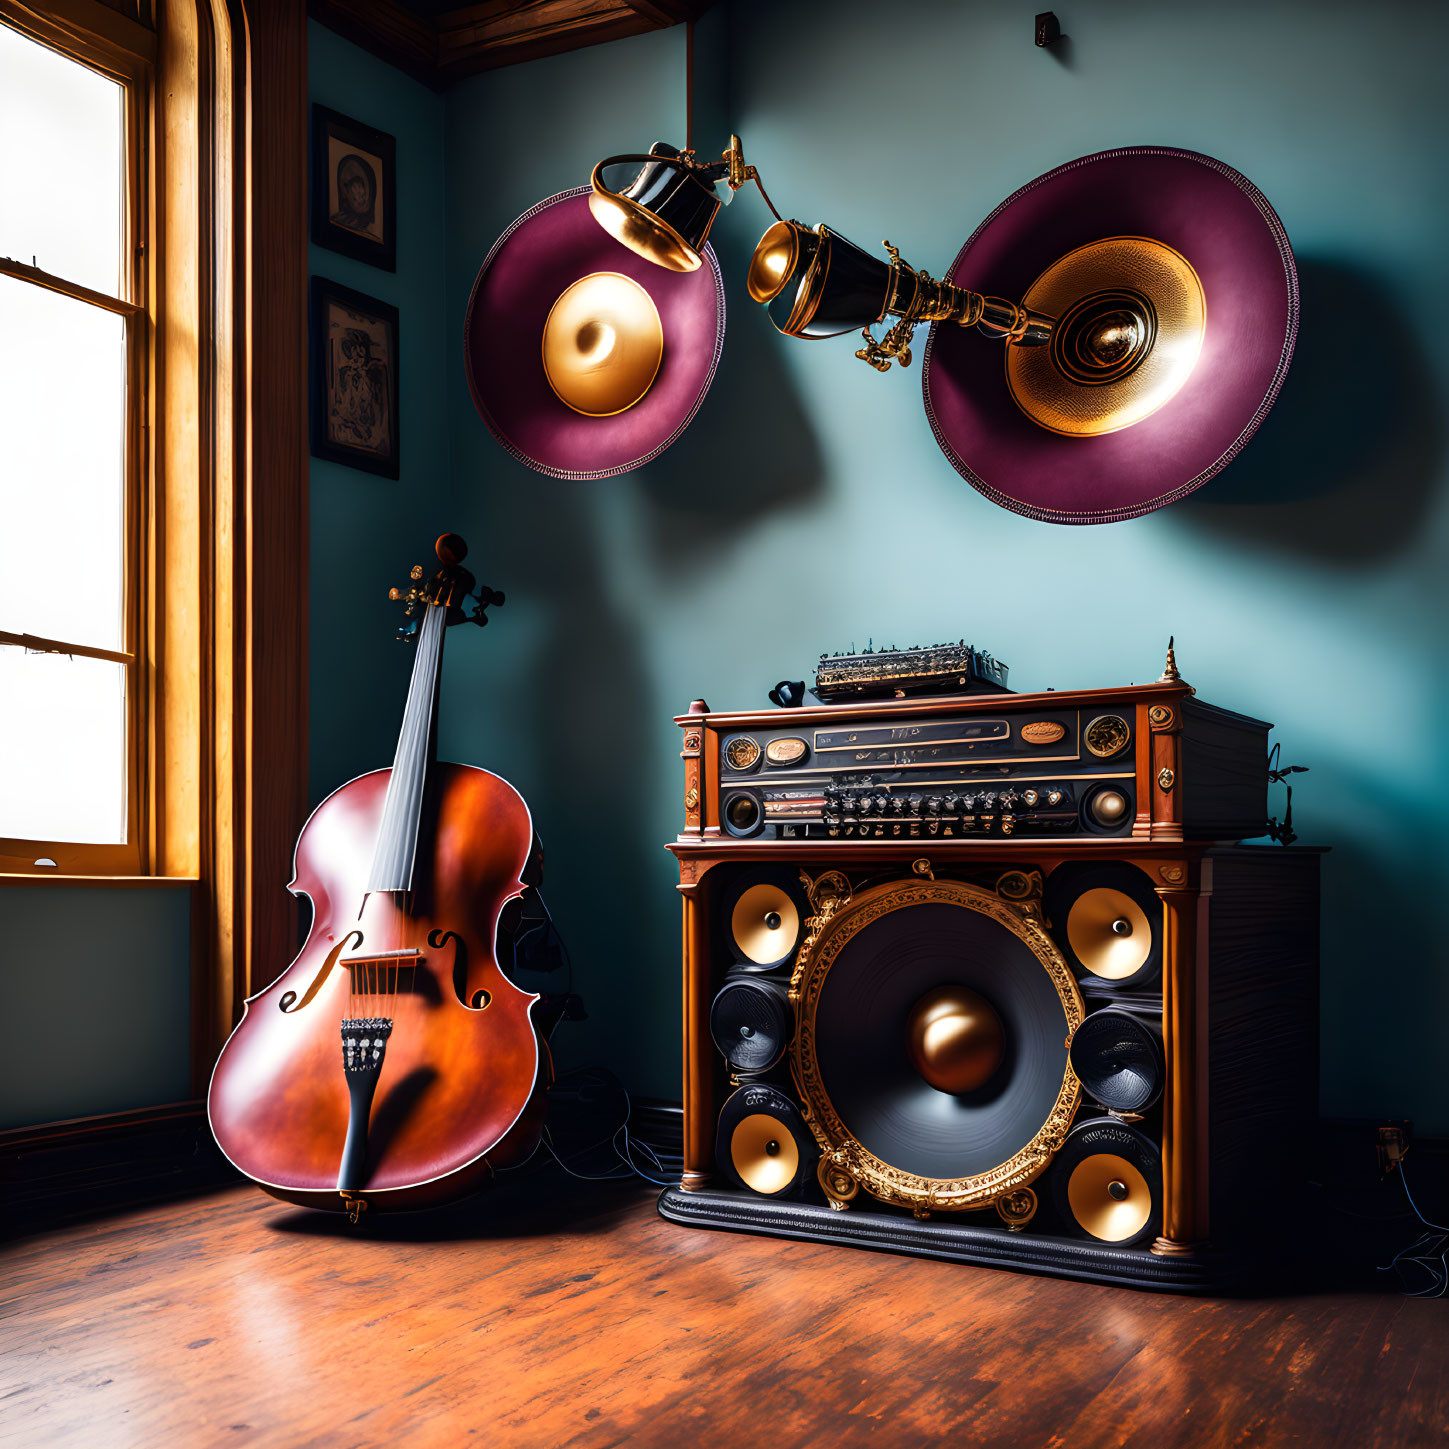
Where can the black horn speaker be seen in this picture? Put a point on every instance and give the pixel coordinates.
(750, 1022)
(1117, 1054)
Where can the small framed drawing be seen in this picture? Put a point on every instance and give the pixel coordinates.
(354, 189)
(354, 355)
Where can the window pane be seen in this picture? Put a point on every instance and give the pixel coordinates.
(62, 748)
(62, 475)
(61, 164)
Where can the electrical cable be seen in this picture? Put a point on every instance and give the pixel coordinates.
(546, 925)
(1429, 1253)
(625, 1152)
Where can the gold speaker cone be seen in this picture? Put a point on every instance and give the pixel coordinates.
(641, 231)
(955, 1039)
(765, 924)
(1109, 933)
(773, 261)
(602, 344)
(1109, 1198)
(1130, 316)
(764, 1153)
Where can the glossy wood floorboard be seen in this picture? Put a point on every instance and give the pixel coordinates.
(562, 1316)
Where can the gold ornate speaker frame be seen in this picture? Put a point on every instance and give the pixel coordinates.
(845, 1164)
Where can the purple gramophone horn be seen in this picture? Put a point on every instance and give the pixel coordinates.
(1175, 301)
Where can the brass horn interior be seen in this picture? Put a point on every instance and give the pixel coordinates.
(1129, 323)
(764, 1153)
(765, 924)
(1109, 933)
(1109, 1198)
(603, 343)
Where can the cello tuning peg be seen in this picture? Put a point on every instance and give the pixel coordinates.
(394, 594)
(416, 572)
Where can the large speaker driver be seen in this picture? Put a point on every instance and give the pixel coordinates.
(762, 1142)
(1108, 921)
(764, 917)
(931, 1043)
(1107, 1181)
(750, 1023)
(1118, 1057)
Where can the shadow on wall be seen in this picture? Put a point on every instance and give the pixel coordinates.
(1356, 433)
(751, 450)
(587, 699)
(1384, 989)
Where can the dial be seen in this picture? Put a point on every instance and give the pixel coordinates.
(1106, 736)
(742, 752)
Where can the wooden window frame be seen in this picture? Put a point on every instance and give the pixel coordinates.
(123, 51)
(224, 526)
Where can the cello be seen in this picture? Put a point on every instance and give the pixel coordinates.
(393, 1064)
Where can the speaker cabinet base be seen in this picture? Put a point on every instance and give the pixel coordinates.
(950, 1240)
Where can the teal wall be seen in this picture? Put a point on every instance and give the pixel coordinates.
(808, 505)
(97, 1000)
(367, 531)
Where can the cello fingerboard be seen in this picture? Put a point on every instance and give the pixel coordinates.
(397, 837)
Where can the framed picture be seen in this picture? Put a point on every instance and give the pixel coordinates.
(354, 189)
(354, 357)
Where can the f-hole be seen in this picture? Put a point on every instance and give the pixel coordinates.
(480, 1000)
(437, 939)
(289, 1002)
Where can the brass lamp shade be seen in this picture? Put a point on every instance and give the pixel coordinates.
(818, 283)
(664, 214)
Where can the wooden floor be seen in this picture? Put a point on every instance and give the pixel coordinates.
(557, 1315)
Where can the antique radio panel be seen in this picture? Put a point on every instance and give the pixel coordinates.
(1147, 761)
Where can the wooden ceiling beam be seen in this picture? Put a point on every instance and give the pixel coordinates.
(467, 39)
(384, 28)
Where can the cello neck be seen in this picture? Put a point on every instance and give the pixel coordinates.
(395, 852)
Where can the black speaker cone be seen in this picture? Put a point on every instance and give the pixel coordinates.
(750, 1023)
(742, 814)
(1118, 1058)
(863, 1040)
